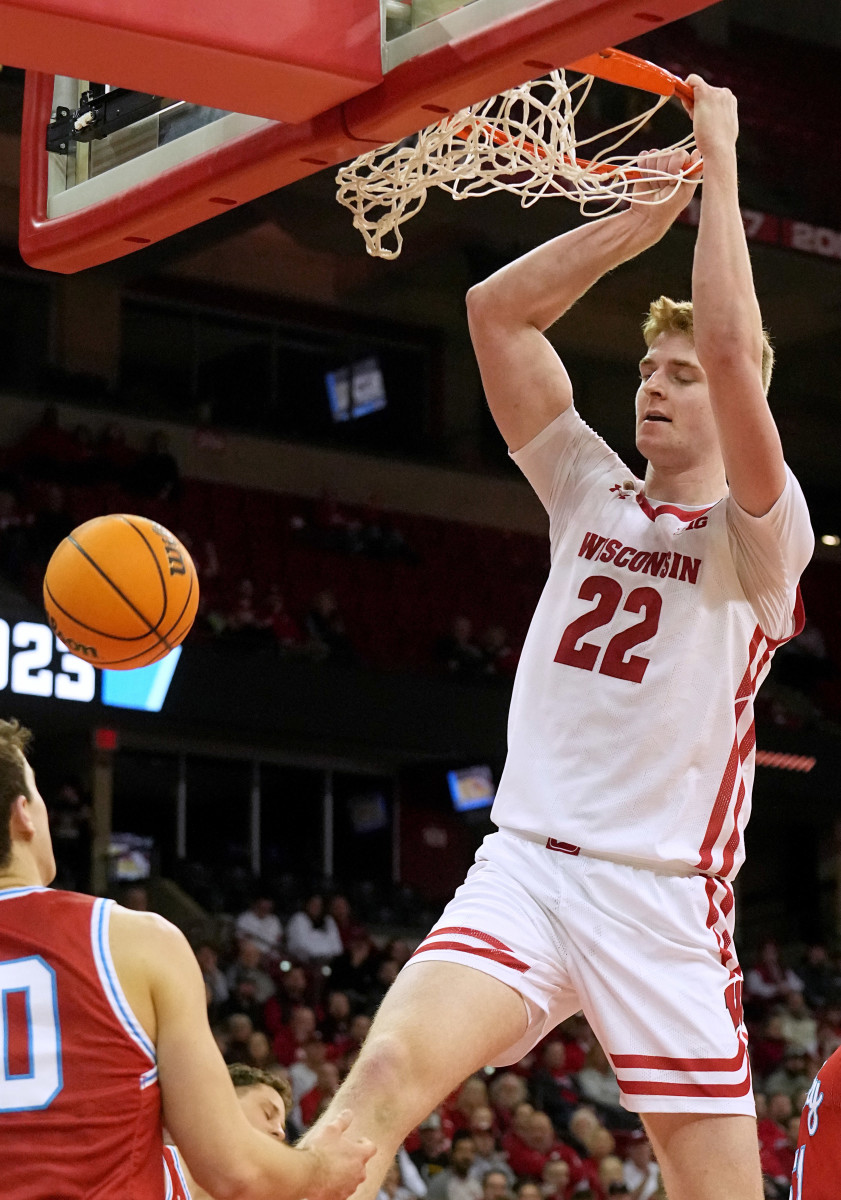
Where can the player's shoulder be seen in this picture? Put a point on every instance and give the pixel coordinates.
(146, 928)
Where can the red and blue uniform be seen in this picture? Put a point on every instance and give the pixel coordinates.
(817, 1163)
(80, 1106)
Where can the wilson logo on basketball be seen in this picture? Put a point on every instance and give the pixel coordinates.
(174, 557)
(74, 646)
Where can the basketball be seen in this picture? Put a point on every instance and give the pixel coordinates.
(121, 591)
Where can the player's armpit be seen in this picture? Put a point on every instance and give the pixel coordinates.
(525, 382)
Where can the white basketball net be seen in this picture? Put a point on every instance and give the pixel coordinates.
(522, 141)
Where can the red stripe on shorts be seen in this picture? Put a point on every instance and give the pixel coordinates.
(463, 931)
(659, 1062)
(687, 1089)
(503, 958)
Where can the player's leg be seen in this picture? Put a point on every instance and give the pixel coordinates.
(439, 1022)
(705, 1157)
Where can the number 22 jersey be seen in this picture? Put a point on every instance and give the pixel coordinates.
(631, 730)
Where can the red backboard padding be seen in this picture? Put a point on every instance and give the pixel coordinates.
(411, 96)
(270, 58)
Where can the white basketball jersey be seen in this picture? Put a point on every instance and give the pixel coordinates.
(631, 731)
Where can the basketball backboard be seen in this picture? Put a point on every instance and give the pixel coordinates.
(106, 171)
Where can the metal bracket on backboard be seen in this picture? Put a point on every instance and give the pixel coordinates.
(98, 115)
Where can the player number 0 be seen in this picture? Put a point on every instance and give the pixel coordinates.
(30, 1038)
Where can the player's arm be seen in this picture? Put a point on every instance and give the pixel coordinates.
(229, 1158)
(727, 321)
(525, 381)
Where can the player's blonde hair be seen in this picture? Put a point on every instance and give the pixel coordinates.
(14, 738)
(675, 316)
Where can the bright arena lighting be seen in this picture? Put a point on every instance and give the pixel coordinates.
(831, 539)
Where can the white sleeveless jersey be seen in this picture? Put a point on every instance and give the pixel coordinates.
(631, 731)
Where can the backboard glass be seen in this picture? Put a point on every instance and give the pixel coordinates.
(192, 155)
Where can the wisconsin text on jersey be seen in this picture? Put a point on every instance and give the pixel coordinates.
(664, 564)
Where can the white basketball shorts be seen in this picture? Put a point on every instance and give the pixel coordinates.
(648, 957)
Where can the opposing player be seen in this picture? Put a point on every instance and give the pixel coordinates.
(265, 1101)
(630, 750)
(103, 1019)
(817, 1162)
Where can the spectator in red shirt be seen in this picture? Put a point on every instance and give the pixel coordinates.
(335, 1026)
(529, 1152)
(472, 1094)
(290, 1039)
(555, 1179)
(768, 1050)
(292, 993)
(773, 1135)
(327, 1085)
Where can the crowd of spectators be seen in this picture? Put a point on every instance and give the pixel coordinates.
(296, 997)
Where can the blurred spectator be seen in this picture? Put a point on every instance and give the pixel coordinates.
(238, 1031)
(768, 1048)
(640, 1171)
(213, 975)
(528, 1189)
(455, 1182)
(290, 1040)
(261, 925)
(326, 628)
(799, 1027)
(380, 537)
(260, 1053)
(611, 1178)
(773, 1136)
(535, 1144)
(598, 1084)
(582, 1125)
(431, 1157)
(326, 1086)
(457, 651)
(497, 1184)
(817, 976)
(399, 951)
(274, 616)
(387, 971)
(768, 981)
(247, 969)
(349, 928)
(239, 621)
(204, 556)
(489, 1156)
(115, 458)
(71, 825)
(136, 897)
(347, 1048)
(155, 473)
(393, 1187)
(555, 1179)
(792, 1077)
(355, 970)
(552, 1085)
(46, 452)
(505, 1092)
(311, 933)
(335, 1026)
(303, 1073)
(472, 1094)
(292, 992)
(497, 656)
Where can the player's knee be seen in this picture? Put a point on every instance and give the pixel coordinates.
(386, 1062)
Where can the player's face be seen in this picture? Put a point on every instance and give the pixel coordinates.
(264, 1110)
(675, 423)
(42, 845)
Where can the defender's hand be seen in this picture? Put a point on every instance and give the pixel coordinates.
(340, 1159)
(715, 117)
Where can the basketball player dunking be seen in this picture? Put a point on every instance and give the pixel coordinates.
(103, 1020)
(630, 751)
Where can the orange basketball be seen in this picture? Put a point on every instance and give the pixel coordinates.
(121, 592)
